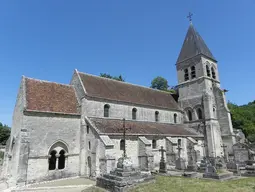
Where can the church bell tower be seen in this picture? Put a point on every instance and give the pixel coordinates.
(200, 94)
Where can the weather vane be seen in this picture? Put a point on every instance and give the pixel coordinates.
(190, 16)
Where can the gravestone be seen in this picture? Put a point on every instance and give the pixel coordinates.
(170, 154)
(180, 162)
(162, 163)
(241, 153)
(249, 168)
(220, 163)
(225, 152)
(212, 173)
(145, 155)
(232, 166)
(192, 166)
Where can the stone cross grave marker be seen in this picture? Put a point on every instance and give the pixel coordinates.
(180, 163)
(191, 152)
(179, 151)
(124, 129)
(225, 152)
(162, 164)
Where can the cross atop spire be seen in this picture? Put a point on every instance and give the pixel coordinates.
(190, 17)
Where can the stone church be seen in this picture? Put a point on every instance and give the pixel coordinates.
(76, 129)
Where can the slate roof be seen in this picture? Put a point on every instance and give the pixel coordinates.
(193, 45)
(46, 96)
(109, 126)
(100, 87)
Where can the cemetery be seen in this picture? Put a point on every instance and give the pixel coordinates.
(230, 169)
(98, 132)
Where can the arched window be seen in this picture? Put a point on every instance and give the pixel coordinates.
(89, 145)
(175, 118)
(213, 73)
(61, 160)
(179, 142)
(106, 110)
(199, 113)
(193, 72)
(208, 71)
(134, 110)
(154, 144)
(52, 160)
(190, 115)
(156, 116)
(122, 144)
(87, 129)
(186, 74)
(57, 155)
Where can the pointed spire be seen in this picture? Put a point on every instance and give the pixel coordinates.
(193, 45)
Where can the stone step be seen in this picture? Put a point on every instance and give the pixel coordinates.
(68, 188)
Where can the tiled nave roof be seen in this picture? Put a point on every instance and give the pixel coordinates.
(105, 88)
(113, 126)
(50, 97)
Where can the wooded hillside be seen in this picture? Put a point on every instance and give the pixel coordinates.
(243, 117)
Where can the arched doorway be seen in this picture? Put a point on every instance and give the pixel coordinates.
(89, 166)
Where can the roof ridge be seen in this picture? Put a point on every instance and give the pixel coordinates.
(45, 81)
(157, 90)
(137, 121)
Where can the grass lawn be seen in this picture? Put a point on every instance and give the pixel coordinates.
(176, 184)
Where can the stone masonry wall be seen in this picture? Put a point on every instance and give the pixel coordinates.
(75, 81)
(11, 159)
(119, 111)
(44, 131)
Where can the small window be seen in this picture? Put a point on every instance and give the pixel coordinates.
(134, 110)
(213, 73)
(199, 113)
(208, 71)
(193, 72)
(106, 110)
(87, 129)
(214, 112)
(52, 160)
(190, 115)
(154, 144)
(122, 144)
(175, 118)
(179, 142)
(61, 160)
(186, 74)
(89, 145)
(156, 116)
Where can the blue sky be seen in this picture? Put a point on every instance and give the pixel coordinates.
(139, 39)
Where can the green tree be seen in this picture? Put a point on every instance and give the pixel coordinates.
(119, 78)
(159, 83)
(106, 75)
(5, 132)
